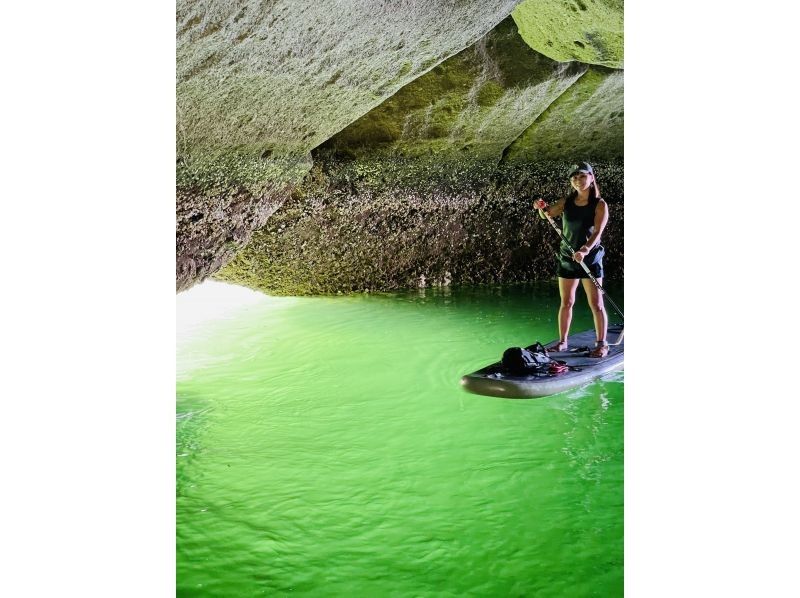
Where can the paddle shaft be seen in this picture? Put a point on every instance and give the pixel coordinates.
(584, 266)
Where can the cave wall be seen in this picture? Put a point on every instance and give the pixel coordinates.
(261, 83)
(435, 185)
(294, 117)
(371, 226)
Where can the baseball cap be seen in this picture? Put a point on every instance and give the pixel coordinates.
(581, 167)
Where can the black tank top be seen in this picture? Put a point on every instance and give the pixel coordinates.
(578, 226)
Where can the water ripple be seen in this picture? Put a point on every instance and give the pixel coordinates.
(326, 448)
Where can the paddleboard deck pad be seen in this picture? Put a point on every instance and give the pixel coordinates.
(495, 381)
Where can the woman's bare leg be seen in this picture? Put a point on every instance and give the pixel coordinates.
(595, 298)
(566, 288)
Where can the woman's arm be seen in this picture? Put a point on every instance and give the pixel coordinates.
(553, 211)
(600, 221)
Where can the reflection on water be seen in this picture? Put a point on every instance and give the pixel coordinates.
(325, 447)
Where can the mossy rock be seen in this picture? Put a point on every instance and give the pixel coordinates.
(286, 75)
(589, 31)
(471, 106)
(586, 122)
(343, 231)
(259, 84)
(432, 102)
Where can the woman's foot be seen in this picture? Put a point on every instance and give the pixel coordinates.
(558, 347)
(600, 350)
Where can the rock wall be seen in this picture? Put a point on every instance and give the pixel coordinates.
(384, 129)
(587, 120)
(261, 83)
(376, 226)
(434, 186)
(469, 108)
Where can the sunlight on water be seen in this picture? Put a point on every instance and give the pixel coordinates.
(208, 307)
(325, 447)
(210, 302)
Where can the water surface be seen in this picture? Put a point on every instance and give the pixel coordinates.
(325, 448)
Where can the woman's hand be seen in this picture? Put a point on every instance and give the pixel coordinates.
(540, 204)
(580, 254)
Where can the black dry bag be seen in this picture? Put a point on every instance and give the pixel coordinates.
(519, 361)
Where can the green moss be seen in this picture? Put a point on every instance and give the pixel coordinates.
(213, 174)
(489, 94)
(471, 106)
(590, 32)
(587, 121)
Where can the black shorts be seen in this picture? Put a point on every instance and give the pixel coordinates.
(569, 268)
(574, 270)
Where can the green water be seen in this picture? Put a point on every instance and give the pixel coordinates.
(325, 448)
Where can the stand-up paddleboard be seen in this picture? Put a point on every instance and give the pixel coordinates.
(495, 381)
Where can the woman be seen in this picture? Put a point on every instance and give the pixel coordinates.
(584, 216)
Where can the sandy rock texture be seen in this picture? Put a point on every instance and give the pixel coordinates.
(261, 83)
(352, 145)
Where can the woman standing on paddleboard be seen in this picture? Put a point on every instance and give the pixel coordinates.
(584, 215)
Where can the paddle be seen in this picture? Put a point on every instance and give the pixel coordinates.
(588, 273)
